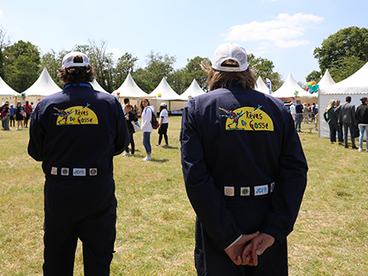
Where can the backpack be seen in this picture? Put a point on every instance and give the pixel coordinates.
(154, 121)
(3, 113)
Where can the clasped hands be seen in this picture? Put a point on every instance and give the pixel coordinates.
(244, 253)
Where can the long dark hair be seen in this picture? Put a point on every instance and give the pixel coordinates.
(141, 106)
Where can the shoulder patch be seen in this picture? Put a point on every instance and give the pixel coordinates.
(247, 118)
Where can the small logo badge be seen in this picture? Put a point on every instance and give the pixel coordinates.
(229, 191)
(93, 172)
(79, 172)
(65, 171)
(244, 191)
(54, 171)
(261, 190)
(272, 186)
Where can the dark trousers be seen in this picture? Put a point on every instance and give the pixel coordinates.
(84, 209)
(163, 132)
(347, 126)
(339, 133)
(333, 130)
(298, 121)
(12, 121)
(132, 144)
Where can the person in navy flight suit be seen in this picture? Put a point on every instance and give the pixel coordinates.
(76, 133)
(244, 170)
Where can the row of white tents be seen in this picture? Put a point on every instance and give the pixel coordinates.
(45, 86)
(355, 86)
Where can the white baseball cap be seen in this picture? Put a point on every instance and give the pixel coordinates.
(162, 104)
(68, 60)
(230, 51)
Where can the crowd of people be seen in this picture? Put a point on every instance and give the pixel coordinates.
(344, 118)
(303, 113)
(20, 114)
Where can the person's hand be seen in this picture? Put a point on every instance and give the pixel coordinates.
(256, 248)
(235, 251)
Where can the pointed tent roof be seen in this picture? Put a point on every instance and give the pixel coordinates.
(326, 80)
(289, 87)
(130, 89)
(261, 86)
(6, 90)
(96, 86)
(165, 91)
(355, 84)
(43, 86)
(192, 91)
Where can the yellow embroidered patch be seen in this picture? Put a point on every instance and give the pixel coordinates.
(76, 115)
(247, 118)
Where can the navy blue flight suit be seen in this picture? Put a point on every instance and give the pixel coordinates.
(244, 171)
(76, 133)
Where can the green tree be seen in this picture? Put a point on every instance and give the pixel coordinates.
(349, 64)
(22, 64)
(342, 50)
(124, 65)
(314, 76)
(102, 61)
(158, 66)
(192, 71)
(264, 68)
(3, 44)
(52, 62)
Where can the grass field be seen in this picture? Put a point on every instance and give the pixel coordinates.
(155, 228)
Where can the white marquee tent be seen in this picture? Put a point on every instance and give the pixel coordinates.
(44, 86)
(163, 92)
(355, 86)
(129, 89)
(6, 90)
(326, 80)
(289, 87)
(96, 86)
(192, 91)
(261, 86)
(7, 93)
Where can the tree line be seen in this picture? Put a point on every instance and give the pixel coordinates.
(21, 63)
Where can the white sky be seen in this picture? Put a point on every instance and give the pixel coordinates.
(283, 31)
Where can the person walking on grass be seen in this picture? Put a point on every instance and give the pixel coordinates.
(164, 124)
(330, 117)
(131, 117)
(20, 113)
(244, 171)
(346, 113)
(76, 133)
(299, 115)
(147, 111)
(361, 117)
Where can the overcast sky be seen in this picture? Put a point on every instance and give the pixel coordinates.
(283, 31)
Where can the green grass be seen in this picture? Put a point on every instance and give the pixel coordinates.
(155, 228)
